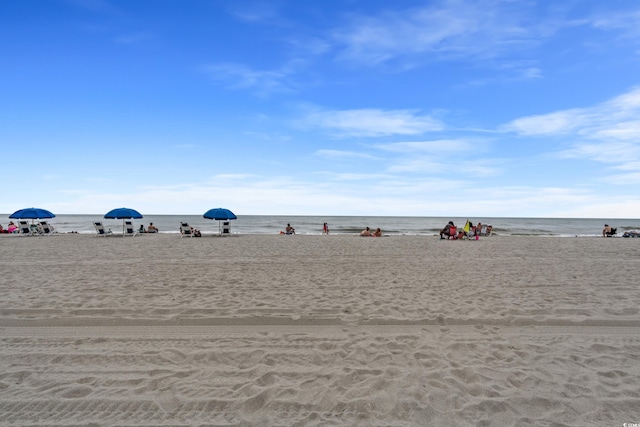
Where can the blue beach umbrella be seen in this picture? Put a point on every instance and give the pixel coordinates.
(32, 213)
(123, 213)
(220, 214)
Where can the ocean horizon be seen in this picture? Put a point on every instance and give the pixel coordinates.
(312, 225)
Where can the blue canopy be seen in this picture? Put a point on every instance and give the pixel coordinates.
(219, 214)
(123, 213)
(32, 213)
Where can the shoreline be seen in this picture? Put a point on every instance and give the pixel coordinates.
(208, 233)
(310, 225)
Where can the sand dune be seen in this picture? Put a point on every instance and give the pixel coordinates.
(319, 330)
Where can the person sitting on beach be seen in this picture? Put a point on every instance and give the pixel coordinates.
(377, 233)
(607, 231)
(290, 229)
(446, 231)
(141, 229)
(152, 228)
(195, 232)
(2, 230)
(366, 232)
(12, 228)
(488, 230)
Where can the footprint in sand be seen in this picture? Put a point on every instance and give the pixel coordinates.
(76, 392)
(168, 400)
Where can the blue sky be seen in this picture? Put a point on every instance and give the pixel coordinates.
(322, 107)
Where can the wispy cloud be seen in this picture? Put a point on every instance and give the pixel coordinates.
(372, 122)
(623, 179)
(557, 123)
(351, 176)
(607, 133)
(449, 29)
(615, 119)
(623, 153)
(134, 38)
(260, 82)
(255, 11)
(338, 154)
(96, 6)
(627, 22)
(436, 146)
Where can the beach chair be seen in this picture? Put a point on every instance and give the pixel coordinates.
(46, 228)
(36, 229)
(129, 230)
(226, 227)
(185, 230)
(25, 228)
(100, 229)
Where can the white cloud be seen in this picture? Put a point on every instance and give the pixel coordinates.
(628, 22)
(449, 29)
(606, 152)
(338, 154)
(255, 12)
(624, 179)
(333, 176)
(435, 146)
(628, 130)
(561, 122)
(372, 122)
(607, 133)
(134, 38)
(96, 6)
(531, 73)
(262, 83)
(418, 165)
(615, 119)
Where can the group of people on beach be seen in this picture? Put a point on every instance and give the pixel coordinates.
(368, 233)
(470, 231)
(11, 228)
(289, 230)
(150, 229)
(608, 231)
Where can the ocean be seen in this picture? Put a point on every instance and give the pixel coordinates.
(312, 225)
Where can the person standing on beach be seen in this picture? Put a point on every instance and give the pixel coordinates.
(325, 228)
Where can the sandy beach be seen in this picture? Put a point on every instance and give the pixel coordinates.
(275, 330)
